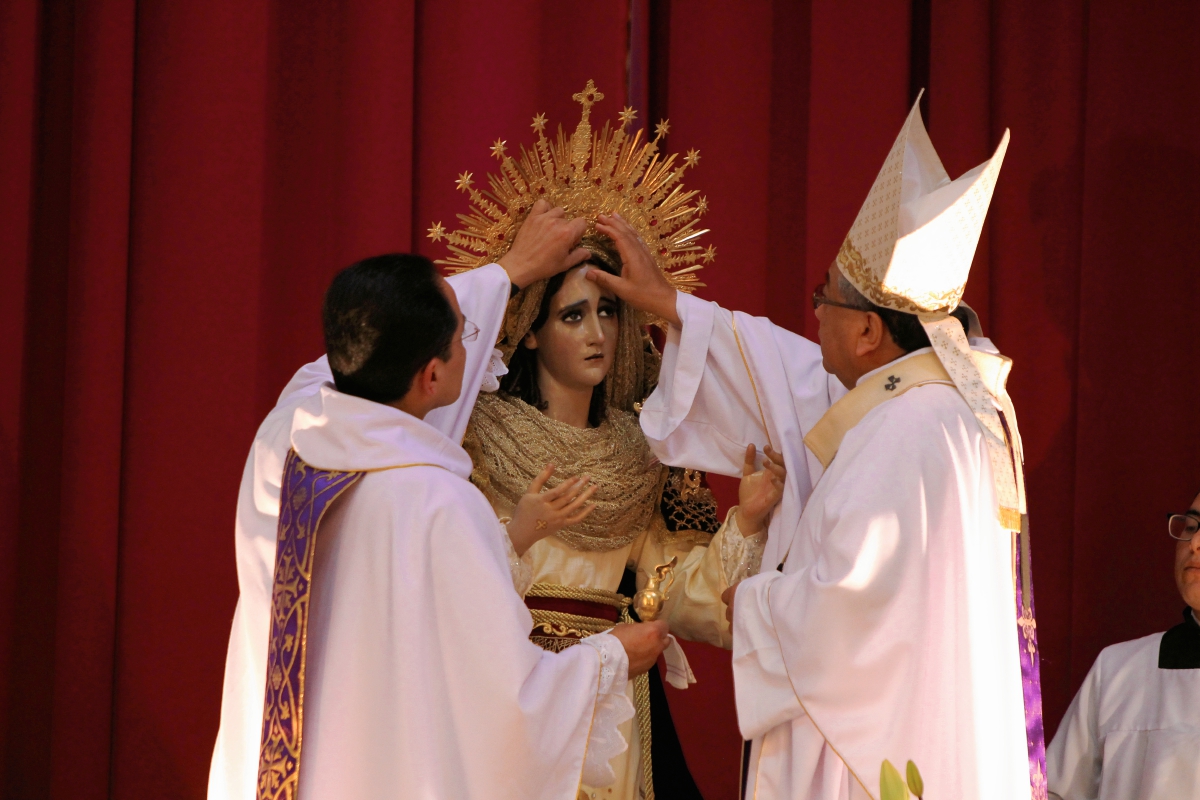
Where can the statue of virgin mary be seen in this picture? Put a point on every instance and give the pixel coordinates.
(579, 365)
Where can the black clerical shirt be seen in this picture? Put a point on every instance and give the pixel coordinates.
(1180, 647)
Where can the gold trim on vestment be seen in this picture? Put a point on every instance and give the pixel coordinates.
(280, 753)
(826, 436)
(750, 375)
(850, 769)
(825, 439)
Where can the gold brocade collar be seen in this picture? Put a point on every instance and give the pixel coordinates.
(510, 442)
(884, 384)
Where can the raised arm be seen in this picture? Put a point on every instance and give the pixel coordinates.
(546, 244)
(728, 379)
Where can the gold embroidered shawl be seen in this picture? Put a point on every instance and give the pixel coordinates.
(510, 442)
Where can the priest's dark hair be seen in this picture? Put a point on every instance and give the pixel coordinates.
(521, 380)
(385, 318)
(906, 329)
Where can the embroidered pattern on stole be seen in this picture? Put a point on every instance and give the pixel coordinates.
(1031, 673)
(305, 496)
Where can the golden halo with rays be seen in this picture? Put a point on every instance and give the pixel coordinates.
(588, 174)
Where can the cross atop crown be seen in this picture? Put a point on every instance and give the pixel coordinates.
(588, 97)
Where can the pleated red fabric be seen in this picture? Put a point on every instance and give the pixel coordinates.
(181, 179)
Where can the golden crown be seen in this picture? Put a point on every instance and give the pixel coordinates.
(626, 174)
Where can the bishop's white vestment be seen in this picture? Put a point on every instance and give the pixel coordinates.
(1133, 730)
(888, 632)
(483, 295)
(421, 679)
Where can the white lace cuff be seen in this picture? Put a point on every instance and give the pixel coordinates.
(495, 371)
(612, 709)
(741, 556)
(520, 567)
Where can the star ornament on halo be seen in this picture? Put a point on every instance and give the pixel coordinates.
(624, 170)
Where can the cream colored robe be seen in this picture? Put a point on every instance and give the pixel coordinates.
(694, 609)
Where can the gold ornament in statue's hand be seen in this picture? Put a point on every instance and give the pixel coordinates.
(649, 602)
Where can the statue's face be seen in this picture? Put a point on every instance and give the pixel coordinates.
(577, 344)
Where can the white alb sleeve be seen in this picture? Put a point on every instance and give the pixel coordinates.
(613, 708)
(520, 567)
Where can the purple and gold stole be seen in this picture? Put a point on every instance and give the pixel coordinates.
(1031, 673)
(306, 495)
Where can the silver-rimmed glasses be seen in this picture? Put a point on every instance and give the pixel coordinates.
(470, 331)
(1183, 526)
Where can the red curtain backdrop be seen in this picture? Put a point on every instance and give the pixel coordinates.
(180, 180)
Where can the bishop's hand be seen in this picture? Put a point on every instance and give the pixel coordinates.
(641, 283)
(539, 514)
(547, 243)
(643, 643)
(759, 492)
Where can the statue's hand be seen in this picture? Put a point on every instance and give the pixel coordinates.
(759, 491)
(544, 513)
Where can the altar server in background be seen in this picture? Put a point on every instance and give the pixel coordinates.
(889, 630)
(1133, 731)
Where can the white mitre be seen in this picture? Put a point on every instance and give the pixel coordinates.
(910, 249)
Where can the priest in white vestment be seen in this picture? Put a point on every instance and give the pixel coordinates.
(889, 630)
(1133, 730)
(544, 248)
(416, 676)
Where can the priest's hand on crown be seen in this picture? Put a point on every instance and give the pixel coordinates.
(759, 491)
(643, 643)
(547, 243)
(539, 513)
(641, 283)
